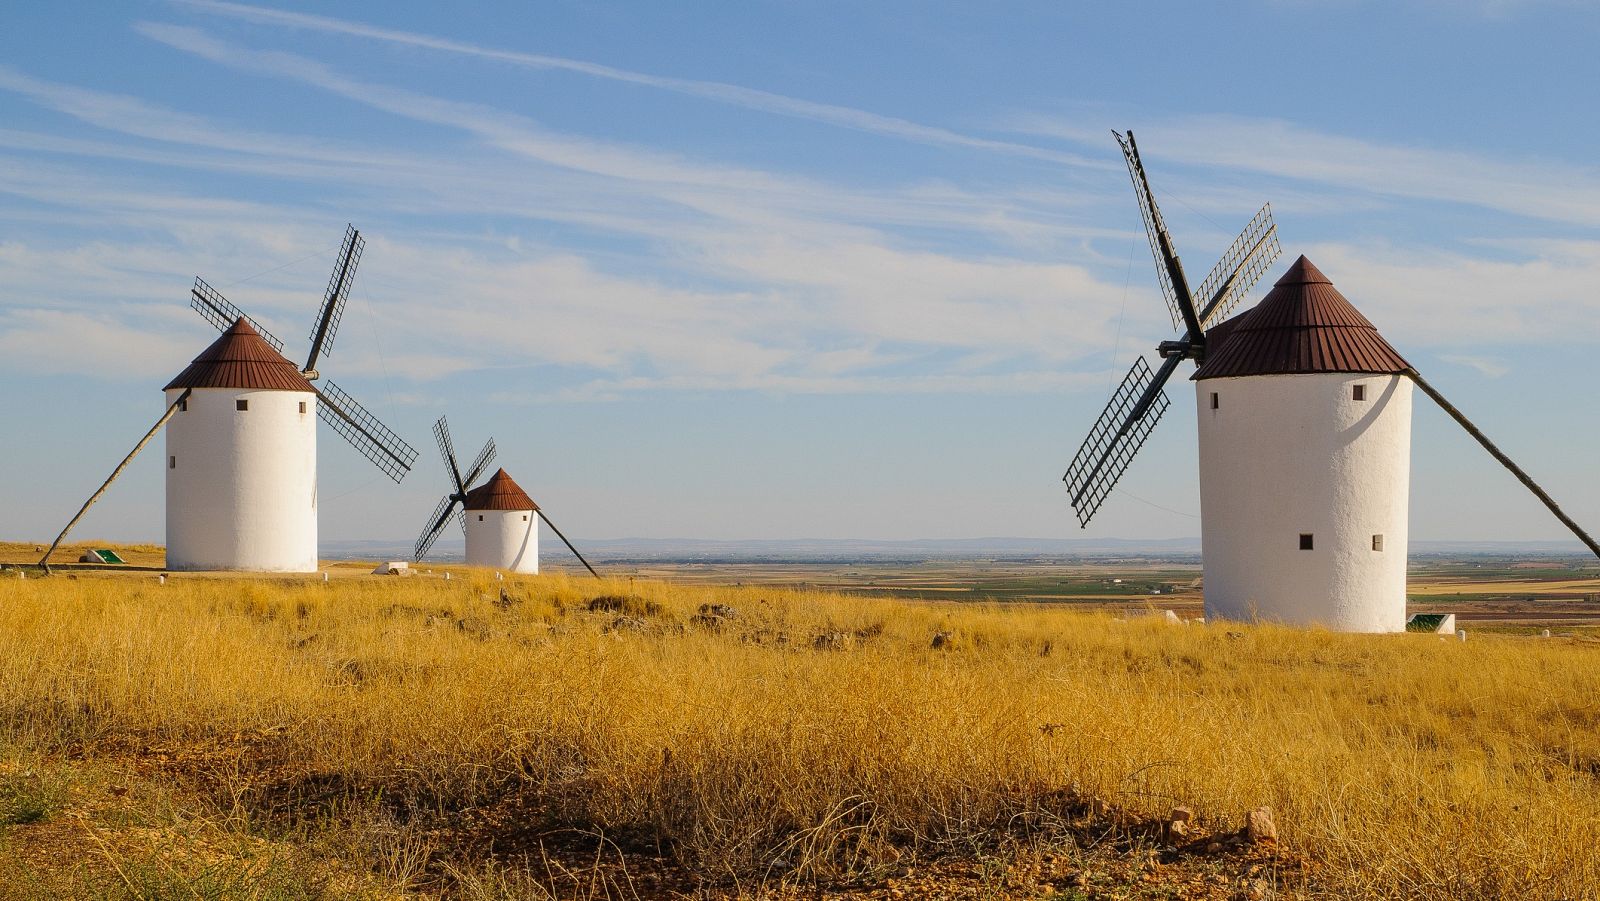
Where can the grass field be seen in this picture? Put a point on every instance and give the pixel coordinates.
(396, 737)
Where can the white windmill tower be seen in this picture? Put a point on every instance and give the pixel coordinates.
(1304, 431)
(242, 440)
(500, 520)
(1305, 462)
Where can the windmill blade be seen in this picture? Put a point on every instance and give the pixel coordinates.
(1169, 271)
(482, 463)
(436, 524)
(1499, 455)
(1240, 267)
(344, 273)
(1129, 417)
(568, 544)
(208, 303)
(364, 432)
(447, 450)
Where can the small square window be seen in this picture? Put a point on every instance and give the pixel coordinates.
(1358, 392)
(241, 405)
(302, 406)
(1377, 542)
(480, 517)
(1214, 400)
(183, 405)
(172, 462)
(524, 517)
(1305, 541)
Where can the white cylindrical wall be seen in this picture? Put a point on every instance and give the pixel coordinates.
(1287, 455)
(242, 484)
(503, 539)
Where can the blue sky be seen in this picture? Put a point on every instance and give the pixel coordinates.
(779, 269)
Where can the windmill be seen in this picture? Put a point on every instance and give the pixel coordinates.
(1304, 437)
(241, 439)
(496, 517)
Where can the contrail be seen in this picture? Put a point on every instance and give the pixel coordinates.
(720, 92)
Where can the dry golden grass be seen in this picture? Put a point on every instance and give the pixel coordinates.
(817, 735)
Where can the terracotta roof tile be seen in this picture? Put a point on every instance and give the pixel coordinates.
(241, 358)
(499, 493)
(1303, 325)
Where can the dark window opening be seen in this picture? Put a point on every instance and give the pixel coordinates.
(1214, 401)
(302, 406)
(524, 517)
(1358, 392)
(1305, 541)
(172, 462)
(241, 405)
(1377, 542)
(480, 517)
(183, 405)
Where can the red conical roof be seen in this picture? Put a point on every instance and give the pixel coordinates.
(1303, 325)
(499, 493)
(241, 358)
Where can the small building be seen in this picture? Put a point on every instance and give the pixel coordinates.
(502, 526)
(241, 460)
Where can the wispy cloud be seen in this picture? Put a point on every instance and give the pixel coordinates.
(718, 92)
(1534, 188)
(1488, 366)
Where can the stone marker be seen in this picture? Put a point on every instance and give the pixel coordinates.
(1259, 827)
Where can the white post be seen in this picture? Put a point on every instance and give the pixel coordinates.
(162, 579)
(324, 575)
(447, 576)
(1461, 634)
(1545, 633)
(499, 578)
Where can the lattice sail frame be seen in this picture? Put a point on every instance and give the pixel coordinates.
(1089, 480)
(447, 450)
(333, 300)
(205, 300)
(1153, 224)
(430, 533)
(1246, 261)
(376, 441)
(481, 463)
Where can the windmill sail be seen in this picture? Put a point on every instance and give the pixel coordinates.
(482, 462)
(205, 300)
(388, 451)
(436, 523)
(1240, 267)
(1154, 226)
(333, 301)
(447, 450)
(1127, 420)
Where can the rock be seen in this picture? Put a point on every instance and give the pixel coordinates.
(1259, 828)
(632, 605)
(474, 627)
(1258, 890)
(1181, 815)
(708, 621)
(945, 640)
(626, 624)
(1178, 828)
(718, 610)
(1098, 807)
(1172, 618)
(507, 599)
(831, 641)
